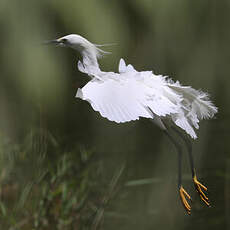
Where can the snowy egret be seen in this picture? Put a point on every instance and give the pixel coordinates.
(130, 94)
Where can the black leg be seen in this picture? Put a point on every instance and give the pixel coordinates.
(198, 185)
(189, 148)
(179, 152)
(182, 192)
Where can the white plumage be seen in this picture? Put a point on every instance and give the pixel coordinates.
(130, 94)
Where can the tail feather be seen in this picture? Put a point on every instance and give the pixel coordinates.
(196, 106)
(197, 100)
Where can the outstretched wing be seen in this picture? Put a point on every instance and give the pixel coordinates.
(129, 95)
(115, 101)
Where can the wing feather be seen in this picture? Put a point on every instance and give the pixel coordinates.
(113, 100)
(129, 95)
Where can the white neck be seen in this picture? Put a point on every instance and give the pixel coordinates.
(90, 53)
(89, 57)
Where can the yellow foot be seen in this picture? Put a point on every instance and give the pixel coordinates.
(183, 195)
(199, 188)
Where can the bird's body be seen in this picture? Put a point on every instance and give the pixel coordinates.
(130, 94)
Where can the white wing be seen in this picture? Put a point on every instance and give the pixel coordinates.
(130, 94)
(114, 101)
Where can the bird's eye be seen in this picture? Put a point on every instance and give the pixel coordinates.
(64, 40)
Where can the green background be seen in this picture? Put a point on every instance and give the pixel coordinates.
(62, 166)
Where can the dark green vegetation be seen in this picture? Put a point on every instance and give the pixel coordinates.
(64, 167)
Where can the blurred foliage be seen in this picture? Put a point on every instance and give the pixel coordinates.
(62, 166)
(58, 193)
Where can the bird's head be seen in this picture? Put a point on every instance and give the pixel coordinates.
(89, 51)
(73, 41)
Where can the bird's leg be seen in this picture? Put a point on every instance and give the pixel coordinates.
(184, 196)
(200, 188)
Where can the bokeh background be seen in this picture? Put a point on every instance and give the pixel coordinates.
(62, 166)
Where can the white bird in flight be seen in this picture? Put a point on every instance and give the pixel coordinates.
(130, 94)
